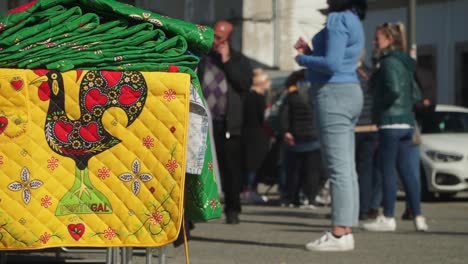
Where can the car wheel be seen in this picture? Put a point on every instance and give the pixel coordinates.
(426, 195)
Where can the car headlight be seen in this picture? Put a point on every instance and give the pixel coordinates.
(438, 156)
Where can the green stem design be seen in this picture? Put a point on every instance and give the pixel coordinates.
(11, 235)
(83, 197)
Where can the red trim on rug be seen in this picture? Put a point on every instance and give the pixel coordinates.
(22, 8)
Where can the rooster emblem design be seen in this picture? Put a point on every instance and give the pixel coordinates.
(85, 137)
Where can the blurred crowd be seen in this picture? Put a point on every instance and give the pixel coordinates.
(339, 133)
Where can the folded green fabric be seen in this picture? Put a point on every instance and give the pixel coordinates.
(71, 34)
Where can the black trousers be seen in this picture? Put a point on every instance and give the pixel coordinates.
(304, 171)
(229, 154)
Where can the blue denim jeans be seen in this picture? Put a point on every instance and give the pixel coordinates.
(370, 180)
(396, 150)
(337, 109)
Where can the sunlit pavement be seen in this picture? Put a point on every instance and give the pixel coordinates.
(272, 234)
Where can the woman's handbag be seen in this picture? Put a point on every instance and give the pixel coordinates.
(416, 135)
(416, 96)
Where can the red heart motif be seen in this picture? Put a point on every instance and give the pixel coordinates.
(62, 130)
(128, 96)
(17, 83)
(112, 77)
(90, 132)
(3, 124)
(93, 98)
(76, 231)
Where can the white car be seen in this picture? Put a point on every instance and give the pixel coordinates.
(444, 152)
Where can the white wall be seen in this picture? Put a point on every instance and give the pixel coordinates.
(441, 25)
(294, 18)
(258, 31)
(306, 21)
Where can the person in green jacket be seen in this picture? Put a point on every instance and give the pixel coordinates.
(395, 92)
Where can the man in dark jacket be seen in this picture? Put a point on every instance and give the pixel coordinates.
(226, 76)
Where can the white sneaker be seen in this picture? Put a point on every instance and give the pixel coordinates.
(330, 243)
(308, 206)
(323, 198)
(420, 223)
(381, 224)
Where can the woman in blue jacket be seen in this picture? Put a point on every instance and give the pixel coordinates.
(331, 69)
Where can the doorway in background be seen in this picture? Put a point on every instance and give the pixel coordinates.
(461, 73)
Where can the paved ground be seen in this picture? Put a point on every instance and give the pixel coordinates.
(274, 235)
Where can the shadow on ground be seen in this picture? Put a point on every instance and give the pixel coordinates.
(283, 223)
(297, 213)
(247, 243)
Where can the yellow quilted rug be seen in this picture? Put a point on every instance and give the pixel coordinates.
(91, 158)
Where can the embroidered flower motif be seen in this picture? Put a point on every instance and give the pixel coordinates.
(90, 76)
(46, 201)
(135, 177)
(76, 144)
(210, 166)
(201, 27)
(1, 160)
(147, 17)
(98, 111)
(148, 142)
(133, 109)
(213, 203)
(27, 47)
(109, 233)
(169, 95)
(157, 217)
(52, 163)
(171, 165)
(25, 185)
(2, 26)
(103, 173)
(44, 238)
(51, 44)
(87, 117)
(99, 81)
(135, 78)
(24, 153)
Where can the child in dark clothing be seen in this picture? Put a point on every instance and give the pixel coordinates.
(304, 166)
(255, 139)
